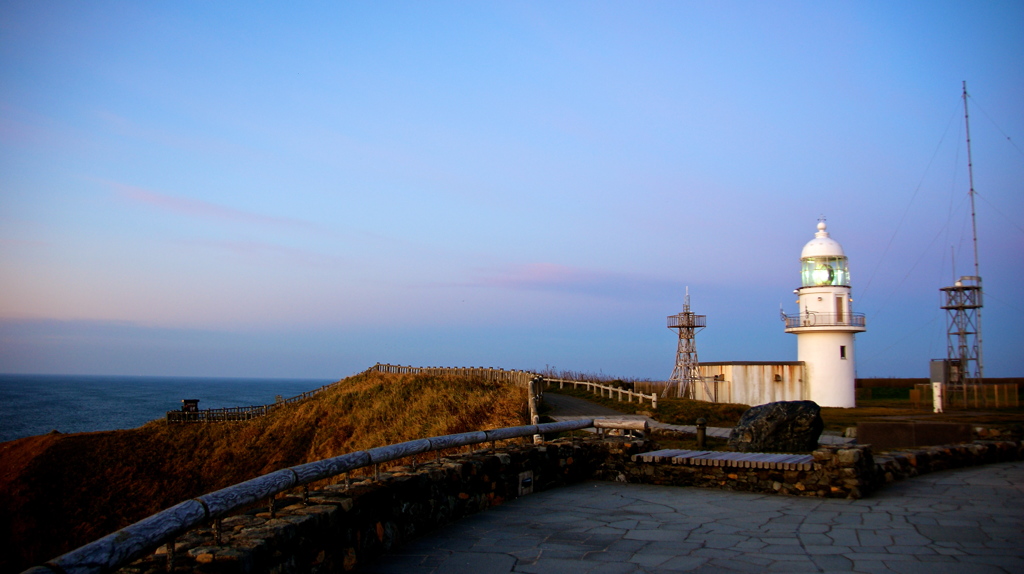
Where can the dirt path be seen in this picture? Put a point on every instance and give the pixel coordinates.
(564, 407)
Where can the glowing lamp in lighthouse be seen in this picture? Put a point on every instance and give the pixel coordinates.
(825, 322)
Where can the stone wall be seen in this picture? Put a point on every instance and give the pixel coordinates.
(341, 526)
(851, 471)
(908, 463)
(838, 472)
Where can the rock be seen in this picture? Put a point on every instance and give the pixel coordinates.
(788, 426)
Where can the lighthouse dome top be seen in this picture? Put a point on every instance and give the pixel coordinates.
(822, 245)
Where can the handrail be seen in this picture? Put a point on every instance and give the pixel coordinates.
(488, 373)
(133, 541)
(602, 388)
(815, 319)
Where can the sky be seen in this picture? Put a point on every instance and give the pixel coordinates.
(280, 190)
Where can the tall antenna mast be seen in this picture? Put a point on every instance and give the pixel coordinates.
(974, 230)
(970, 177)
(964, 370)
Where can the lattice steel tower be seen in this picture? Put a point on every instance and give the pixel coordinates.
(963, 303)
(686, 374)
(963, 333)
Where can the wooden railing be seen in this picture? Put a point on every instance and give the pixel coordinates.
(134, 541)
(486, 373)
(612, 392)
(230, 414)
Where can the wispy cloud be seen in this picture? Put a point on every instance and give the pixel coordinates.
(556, 278)
(257, 250)
(197, 208)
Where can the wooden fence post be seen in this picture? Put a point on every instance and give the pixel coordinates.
(534, 417)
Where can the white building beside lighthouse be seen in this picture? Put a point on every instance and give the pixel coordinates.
(825, 322)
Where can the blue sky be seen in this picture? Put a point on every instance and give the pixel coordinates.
(232, 189)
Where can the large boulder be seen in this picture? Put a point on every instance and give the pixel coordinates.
(787, 426)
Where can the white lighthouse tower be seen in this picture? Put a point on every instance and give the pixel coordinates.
(825, 324)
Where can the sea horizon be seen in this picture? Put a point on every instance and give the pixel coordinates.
(35, 404)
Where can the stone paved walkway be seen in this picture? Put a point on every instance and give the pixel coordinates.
(969, 520)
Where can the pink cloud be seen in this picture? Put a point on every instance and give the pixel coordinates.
(565, 279)
(537, 276)
(258, 250)
(198, 208)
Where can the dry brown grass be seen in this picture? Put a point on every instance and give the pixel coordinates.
(58, 492)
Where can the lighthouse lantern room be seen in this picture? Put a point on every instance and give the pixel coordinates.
(825, 322)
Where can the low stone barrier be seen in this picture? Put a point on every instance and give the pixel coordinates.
(908, 463)
(341, 526)
(838, 471)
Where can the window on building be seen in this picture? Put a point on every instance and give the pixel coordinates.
(842, 351)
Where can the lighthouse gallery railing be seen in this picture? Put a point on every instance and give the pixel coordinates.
(812, 319)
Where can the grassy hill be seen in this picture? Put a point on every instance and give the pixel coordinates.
(60, 491)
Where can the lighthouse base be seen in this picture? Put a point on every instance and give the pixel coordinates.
(829, 367)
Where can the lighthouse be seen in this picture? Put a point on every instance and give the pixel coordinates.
(825, 322)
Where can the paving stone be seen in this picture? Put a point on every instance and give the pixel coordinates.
(844, 537)
(628, 545)
(946, 568)
(712, 569)
(714, 553)
(613, 568)
(827, 549)
(883, 556)
(606, 530)
(573, 536)
(755, 559)
(750, 544)
(655, 535)
(873, 567)
(946, 534)
(814, 528)
(550, 566)
(937, 558)
(717, 540)
(916, 550)
(477, 562)
(608, 556)
(815, 539)
(793, 566)
(650, 559)
(563, 554)
(682, 563)
(873, 538)
(734, 565)
(1010, 563)
(868, 549)
(782, 549)
(784, 540)
(676, 548)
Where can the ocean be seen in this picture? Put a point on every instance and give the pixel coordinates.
(37, 404)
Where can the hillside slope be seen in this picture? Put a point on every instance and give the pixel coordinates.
(58, 492)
